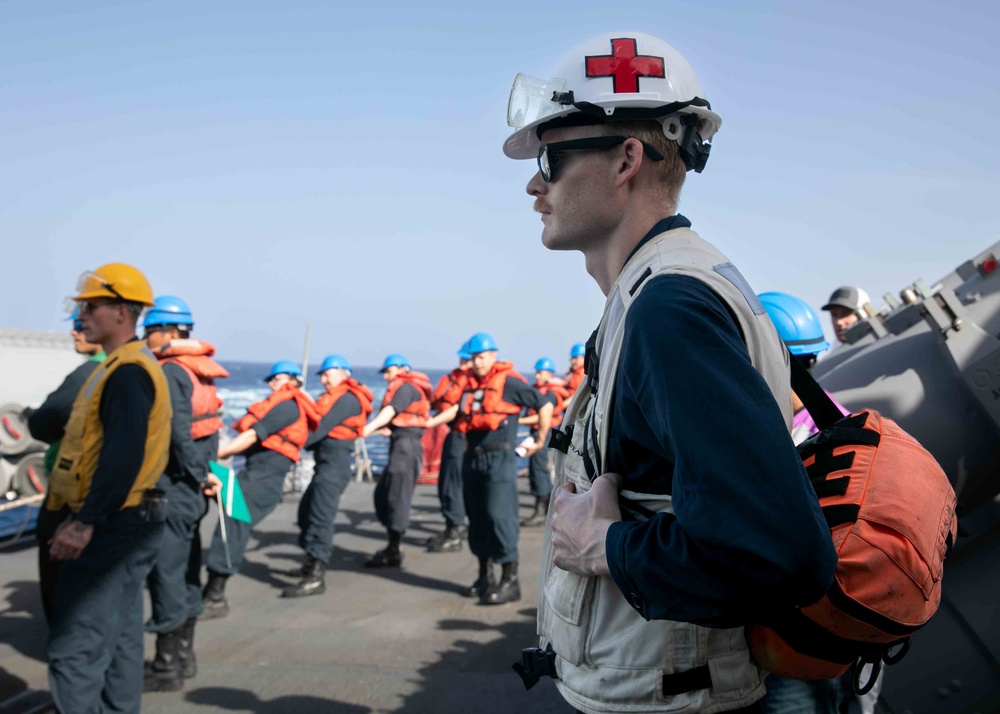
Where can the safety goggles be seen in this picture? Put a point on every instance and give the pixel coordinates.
(548, 154)
(87, 307)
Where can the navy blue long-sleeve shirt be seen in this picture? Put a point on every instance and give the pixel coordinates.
(126, 402)
(692, 418)
(48, 422)
(187, 460)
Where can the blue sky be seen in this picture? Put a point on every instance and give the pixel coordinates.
(310, 162)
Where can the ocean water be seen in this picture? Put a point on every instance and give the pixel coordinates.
(245, 386)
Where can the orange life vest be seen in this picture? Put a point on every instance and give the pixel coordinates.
(573, 380)
(481, 407)
(194, 357)
(445, 385)
(290, 440)
(558, 387)
(416, 414)
(351, 427)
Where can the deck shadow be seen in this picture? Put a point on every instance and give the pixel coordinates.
(442, 689)
(243, 700)
(27, 635)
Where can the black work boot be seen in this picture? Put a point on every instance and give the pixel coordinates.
(304, 569)
(163, 674)
(484, 581)
(213, 598)
(185, 651)
(537, 517)
(447, 541)
(312, 582)
(390, 557)
(507, 590)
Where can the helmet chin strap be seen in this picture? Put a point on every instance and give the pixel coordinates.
(694, 150)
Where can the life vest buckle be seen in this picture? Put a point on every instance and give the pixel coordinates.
(536, 663)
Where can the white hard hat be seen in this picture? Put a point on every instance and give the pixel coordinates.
(622, 76)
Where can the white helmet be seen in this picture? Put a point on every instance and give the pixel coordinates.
(624, 76)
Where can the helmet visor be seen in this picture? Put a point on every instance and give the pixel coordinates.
(532, 99)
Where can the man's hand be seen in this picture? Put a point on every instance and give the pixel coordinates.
(535, 447)
(70, 539)
(211, 486)
(580, 523)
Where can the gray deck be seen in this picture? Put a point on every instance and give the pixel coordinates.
(377, 641)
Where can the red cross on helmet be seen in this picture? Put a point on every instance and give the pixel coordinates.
(621, 76)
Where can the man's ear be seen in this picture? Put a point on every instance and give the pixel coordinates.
(630, 161)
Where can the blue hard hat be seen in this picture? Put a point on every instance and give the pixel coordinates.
(463, 351)
(394, 360)
(481, 342)
(546, 364)
(334, 362)
(284, 366)
(797, 323)
(168, 310)
(578, 350)
(75, 317)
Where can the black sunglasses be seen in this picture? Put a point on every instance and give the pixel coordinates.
(546, 153)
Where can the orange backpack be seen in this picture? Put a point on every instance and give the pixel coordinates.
(891, 512)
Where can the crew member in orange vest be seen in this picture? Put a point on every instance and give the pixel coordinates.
(575, 376)
(271, 434)
(175, 581)
(405, 409)
(539, 465)
(345, 408)
(485, 406)
(450, 475)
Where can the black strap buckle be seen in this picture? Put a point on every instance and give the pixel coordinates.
(560, 440)
(536, 663)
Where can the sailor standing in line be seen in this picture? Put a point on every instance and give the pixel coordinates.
(47, 423)
(272, 434)
(450, 474)
(575, 376)
(540, 465)
(115, 448)
(344, 409)
(405, 408)
(175, 581)
(485, 405)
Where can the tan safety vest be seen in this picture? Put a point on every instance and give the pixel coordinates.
(610, 659)
(76, 463)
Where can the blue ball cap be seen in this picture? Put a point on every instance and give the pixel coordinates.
(798, 325)
(394, 360)
(578, 350)
(284, 366)
(481, 342)
(463, 351)
(545, 364)
(334, 362)
(168, 310)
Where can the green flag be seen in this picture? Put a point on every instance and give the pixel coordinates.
(232, 494)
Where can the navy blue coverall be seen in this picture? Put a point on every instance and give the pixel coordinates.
(318, 507)
(175, 581)
(262, 480)
(489, 478)
(95, 641)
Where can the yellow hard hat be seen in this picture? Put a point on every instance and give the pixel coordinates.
(115, 280)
